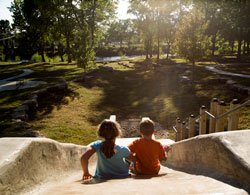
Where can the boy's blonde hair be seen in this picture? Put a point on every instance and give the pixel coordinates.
(147, 127)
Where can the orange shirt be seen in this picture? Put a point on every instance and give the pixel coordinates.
(148, 155)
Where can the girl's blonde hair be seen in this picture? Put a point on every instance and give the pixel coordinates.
(109, 130)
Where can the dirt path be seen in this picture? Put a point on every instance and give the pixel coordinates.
(213, 69)
(8, 84)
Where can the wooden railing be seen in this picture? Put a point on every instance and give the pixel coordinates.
(217, 119)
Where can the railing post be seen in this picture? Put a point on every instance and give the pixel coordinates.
(233, 118)
(178, 128)
(202, 121)
(112, 118)
(191, 126)
(183, 131)
(220, 123)
(213, 111)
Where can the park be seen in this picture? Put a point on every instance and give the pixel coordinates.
(66, 66)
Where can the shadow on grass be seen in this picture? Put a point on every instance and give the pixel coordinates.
(155, 92)
(52, 100)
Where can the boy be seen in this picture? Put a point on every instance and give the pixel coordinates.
(148, 152)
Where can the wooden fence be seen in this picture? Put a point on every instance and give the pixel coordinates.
(218, 118)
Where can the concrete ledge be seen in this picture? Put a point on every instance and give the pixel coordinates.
(44, 166)
(224, 156)
(26, 162)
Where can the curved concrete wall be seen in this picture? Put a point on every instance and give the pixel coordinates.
(26, 162)
(224, 155)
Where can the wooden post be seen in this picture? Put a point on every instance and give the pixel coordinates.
(178, 128)
(183, 131)
(202, 121)
(112, 118)
(191, 126)
(220, 123)
(233, 118)
(213, 111)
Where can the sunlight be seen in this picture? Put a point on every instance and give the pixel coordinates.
(122, 10)
(5, 13)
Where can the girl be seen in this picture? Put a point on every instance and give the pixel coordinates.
(110, 157)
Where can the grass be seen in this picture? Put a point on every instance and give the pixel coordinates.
(129, 92)
(70, 122)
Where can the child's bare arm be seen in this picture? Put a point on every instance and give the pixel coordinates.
(85, 161)
(167, 148)
(131, 157)
(132, 160)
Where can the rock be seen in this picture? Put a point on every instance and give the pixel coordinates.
(230, 82)
(106, 68)
(20, 125)
(31, 104)
(92, 71)
(20, 115)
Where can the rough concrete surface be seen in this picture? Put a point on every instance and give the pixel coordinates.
(44, 166)
(224, 155)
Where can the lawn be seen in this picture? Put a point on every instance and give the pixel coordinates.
(129, 92)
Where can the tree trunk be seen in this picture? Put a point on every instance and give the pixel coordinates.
(244, 47)
(232, 47)
(68, 49)
(158, 47)
(167, 56)
(43, 57)
(168, 51)
(147, 49)
(121, 43)
(239, 49)
(248, 48)
(151, 48)
(61, 56)
(213, 43)
(93, 24)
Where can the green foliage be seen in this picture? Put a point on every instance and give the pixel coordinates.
(191, 41)
(38, 58)
(54, 27)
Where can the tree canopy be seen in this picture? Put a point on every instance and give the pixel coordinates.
(76, 30)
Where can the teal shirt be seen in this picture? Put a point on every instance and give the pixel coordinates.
(114, 167)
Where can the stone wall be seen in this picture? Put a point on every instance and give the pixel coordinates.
(28, 109)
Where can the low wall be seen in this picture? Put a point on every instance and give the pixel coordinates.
(224, 156)
(26, 162)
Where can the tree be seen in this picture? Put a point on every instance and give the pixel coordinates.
(191, 41)
(168, 21)
(91, 17)
(145, 23)
(64, 28)
(34, 18)
(213, 15)
(236, 22)
(6, 39)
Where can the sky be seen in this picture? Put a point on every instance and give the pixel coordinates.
(6, 15)
(4, 12)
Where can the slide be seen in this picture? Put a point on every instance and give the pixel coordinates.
(44, 166)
